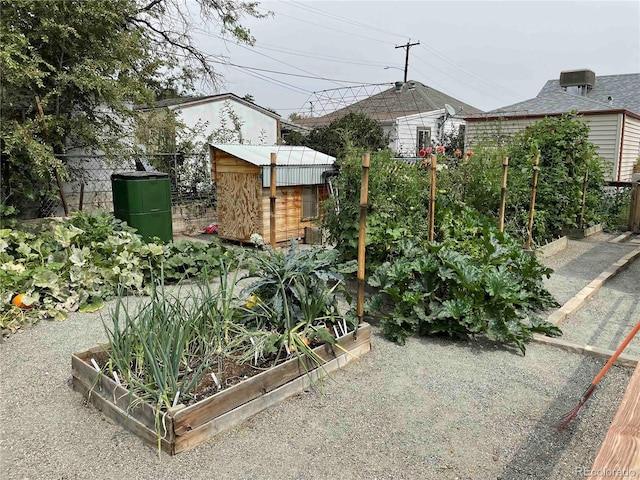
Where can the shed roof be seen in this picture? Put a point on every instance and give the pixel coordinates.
(260, 155)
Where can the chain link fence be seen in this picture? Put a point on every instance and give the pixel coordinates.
(193, 193)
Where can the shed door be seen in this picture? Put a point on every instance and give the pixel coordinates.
(239, 205)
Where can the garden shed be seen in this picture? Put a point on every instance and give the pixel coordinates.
(243, 181)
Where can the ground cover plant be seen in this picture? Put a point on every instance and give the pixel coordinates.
(77, 263)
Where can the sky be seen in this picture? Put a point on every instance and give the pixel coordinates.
(486, 54)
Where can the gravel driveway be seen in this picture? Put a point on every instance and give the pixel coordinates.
(432, 409)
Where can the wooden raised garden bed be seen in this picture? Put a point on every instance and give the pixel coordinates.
(582, 232)
(189, 426)
(552, 248)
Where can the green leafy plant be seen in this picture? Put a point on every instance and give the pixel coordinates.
(398, 205)
(76, 264)
(279, 276)
(436, 289)
(163, 349)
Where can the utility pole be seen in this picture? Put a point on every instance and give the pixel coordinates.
(406, 60)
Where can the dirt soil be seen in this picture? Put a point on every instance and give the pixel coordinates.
(432, 409)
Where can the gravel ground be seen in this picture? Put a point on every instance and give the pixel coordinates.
(432, 409)
(582, 261)
(608, 318)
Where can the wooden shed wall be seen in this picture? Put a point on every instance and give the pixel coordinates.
(239, 192)
(289, 223)
(244, 206)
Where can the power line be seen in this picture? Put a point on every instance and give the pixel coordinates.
(329, 28)
(431, 49)
(342, 19)
(288, 73)
(469, 72)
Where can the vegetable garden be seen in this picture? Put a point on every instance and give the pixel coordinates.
(438, 259)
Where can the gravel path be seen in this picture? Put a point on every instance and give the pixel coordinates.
(432, 409)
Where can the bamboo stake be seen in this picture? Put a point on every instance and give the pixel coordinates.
(584, 197)
(432, 199)
(55, 170)
(364, 192)
(464, 184)
(503, 192)
(272, 203)
(527, 245)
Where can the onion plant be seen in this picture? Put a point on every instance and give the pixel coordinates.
(163, 349)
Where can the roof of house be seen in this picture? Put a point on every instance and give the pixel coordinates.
(412, 98)
(624, 91)
(260, 155)
(182, 102)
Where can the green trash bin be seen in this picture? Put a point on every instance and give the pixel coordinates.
(143, 200)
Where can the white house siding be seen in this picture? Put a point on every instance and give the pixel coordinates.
(630, 147)
(604, 132)
(257, 127)
(404, 139)
(477, 131)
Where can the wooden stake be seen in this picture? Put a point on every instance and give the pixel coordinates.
(364, 193)
(584, 197)
(503, 192)
(55, 170)
(527, 245)
(432, 199)
(464, 184)
(272, 203)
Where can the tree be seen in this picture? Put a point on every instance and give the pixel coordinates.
(352, 130)
(72, 70)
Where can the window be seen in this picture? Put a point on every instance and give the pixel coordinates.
(423, 137)
(310, 202)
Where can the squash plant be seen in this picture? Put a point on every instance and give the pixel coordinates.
(78, 263)
(475, 280)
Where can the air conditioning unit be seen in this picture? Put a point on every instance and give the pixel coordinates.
(578, 78)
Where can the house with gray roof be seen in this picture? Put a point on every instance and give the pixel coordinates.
(413, 114)
(610, 104)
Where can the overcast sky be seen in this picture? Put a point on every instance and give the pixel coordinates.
(487, 54)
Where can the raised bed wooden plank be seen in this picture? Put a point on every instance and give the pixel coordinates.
(195, 415)
(582, 232)
(116, 403)
(552, 248)
(107, 388)
(583, 349)
(620, 450)
(234, 417)
(122, 417)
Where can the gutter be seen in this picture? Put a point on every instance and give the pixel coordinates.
(624, 118)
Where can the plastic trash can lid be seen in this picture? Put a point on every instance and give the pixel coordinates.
(138, 175)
